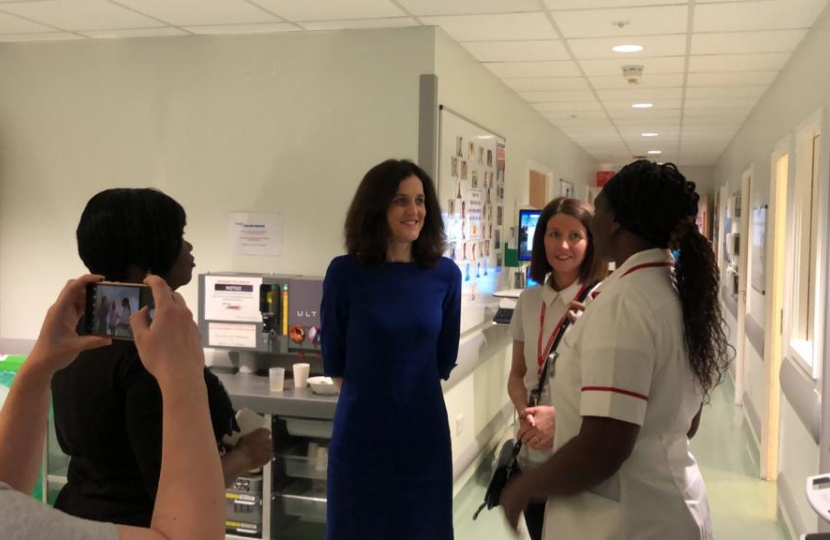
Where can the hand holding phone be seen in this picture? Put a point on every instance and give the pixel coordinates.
(109, 306)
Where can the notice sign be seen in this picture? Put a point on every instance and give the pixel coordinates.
(474, 214)
(232, 335)
(255, 234)
(232, 298)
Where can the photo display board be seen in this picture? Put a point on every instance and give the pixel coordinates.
(471, 191)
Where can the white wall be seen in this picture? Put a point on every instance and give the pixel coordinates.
(802, 88)
(703, 177)
(282, 123)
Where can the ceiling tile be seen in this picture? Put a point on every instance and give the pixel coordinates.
(514, 26)
(597, 48)
(467, 7)
(738, 62)
(649, 81)
(356, 24)
(567, 107)
(599, 68)
(164, 31)
(720, 103)
(39, 36)
(725, 92)
(330, 10)
(588, 4)
(659, 104)
(516, 51)
(81, 15)
(521, 84)
(577, 116)
(640, 94)
(558, 95)
(766, 15)
(747, 42)
(270, 28)
(640, 22)
(745, 78)
(9, 24)
(533, 69)
(644, 115)
(199, 12)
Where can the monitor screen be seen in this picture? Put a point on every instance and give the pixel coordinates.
(529, 281)
(527, 227)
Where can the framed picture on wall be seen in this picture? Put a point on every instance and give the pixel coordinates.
(567, 189)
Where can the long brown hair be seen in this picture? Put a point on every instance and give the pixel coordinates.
(592, 269)
(367, 230)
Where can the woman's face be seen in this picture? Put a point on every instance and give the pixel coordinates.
(182, 271)
(407, 211)
(566, 242)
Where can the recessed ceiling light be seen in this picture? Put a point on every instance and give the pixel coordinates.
(627, 48)
(655, 152)
(643, 105)
(649, 134)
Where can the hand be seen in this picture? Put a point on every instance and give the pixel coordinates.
(575, 310)
(257, 447)
(170, 348)
(514, 499)
(59, 343)
(541, 426)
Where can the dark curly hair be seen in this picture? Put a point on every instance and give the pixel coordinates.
(592, 268)
(657, 203)
(121, 228)
(367, 230)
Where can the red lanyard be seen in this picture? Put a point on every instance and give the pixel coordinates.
(639, 267)
(541, 357)
(647, 265)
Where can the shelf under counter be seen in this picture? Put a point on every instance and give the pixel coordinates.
(252, 391)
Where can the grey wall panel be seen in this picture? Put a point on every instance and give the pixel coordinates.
(800, 391)
(729, 302)
(755, 334)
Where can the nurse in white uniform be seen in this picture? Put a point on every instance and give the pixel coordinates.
(563, 262)
(633, 374)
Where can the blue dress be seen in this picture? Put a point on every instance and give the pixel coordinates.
(392, 333)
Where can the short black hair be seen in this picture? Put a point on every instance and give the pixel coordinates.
(123, 228)
(367, 230)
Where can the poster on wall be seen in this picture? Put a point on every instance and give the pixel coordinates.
(471, 165)
(759, 240)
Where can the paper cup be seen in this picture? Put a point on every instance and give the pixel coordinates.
(301, 375)
(276, 378)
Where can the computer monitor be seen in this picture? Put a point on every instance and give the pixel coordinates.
(527, 227)
(529, 281)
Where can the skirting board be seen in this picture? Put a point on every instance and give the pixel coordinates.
(788, 508)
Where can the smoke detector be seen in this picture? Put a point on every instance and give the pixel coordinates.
(633, 74)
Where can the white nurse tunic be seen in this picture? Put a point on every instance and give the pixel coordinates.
(625, 359)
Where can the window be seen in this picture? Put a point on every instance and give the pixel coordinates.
(804, 323)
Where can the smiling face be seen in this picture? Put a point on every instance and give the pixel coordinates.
(407, 211)
(566, 242)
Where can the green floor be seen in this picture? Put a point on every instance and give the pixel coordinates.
(742, 505)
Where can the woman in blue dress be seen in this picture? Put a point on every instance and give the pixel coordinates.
(391, 316)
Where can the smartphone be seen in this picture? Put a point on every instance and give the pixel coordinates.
(109, 306)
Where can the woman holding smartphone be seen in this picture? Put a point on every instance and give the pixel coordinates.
(108, 407)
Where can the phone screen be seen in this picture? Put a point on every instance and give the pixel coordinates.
(110, 305)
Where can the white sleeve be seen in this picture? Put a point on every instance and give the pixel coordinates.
(517, 321)
(618, 358)
(24, 518)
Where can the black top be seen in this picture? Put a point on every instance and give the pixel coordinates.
(108, 414)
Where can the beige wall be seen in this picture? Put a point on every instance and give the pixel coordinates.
(283, 123)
